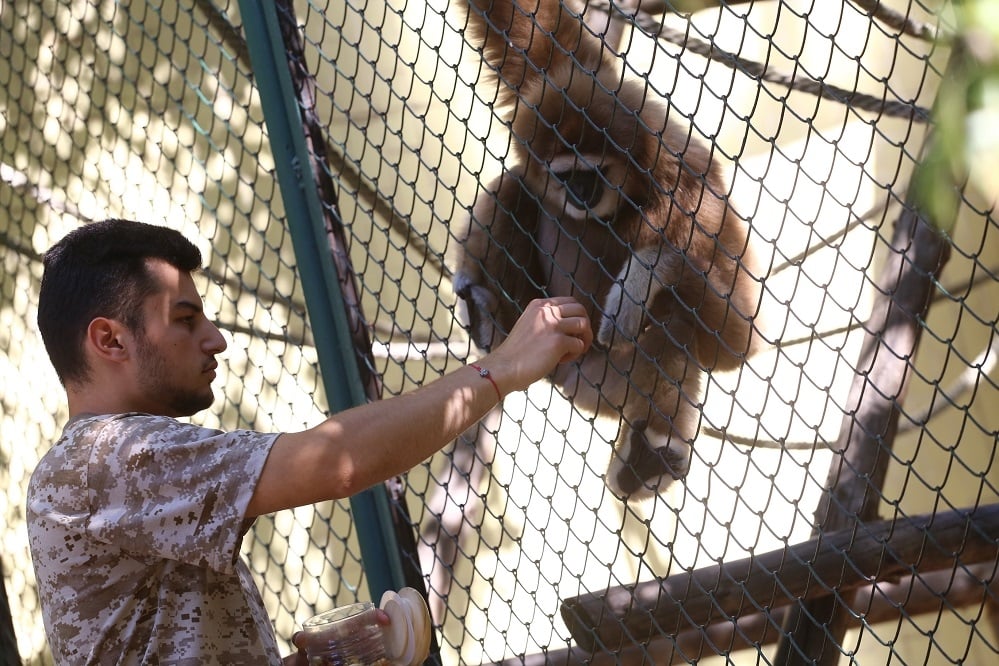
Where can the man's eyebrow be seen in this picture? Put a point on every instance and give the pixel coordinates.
(189, 305)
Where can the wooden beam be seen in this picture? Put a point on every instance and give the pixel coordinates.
(614, 619)
(910, 596)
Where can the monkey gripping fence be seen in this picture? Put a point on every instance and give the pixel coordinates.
(841, 501)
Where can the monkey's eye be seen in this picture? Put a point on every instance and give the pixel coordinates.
(585, 185)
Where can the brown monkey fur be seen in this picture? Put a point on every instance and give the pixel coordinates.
(610, 203)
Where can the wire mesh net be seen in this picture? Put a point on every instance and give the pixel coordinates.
(816, 114)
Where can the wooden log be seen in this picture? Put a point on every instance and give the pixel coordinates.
(913, 595)
(614, 619)
(814, 631)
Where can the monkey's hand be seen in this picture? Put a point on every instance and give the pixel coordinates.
(646, 284)
(622, 315)
(480, 310)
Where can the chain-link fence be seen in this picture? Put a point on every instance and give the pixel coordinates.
(840, 497)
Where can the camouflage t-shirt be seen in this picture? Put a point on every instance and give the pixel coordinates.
(135, 524)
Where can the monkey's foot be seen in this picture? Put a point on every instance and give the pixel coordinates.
(646, 462)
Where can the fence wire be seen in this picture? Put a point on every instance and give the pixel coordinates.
(817, 114)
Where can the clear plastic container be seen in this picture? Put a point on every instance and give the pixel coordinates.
(345, 636)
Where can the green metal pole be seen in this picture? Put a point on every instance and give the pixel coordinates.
(324, 300)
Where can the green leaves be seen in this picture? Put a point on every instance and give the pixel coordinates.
(963, 155)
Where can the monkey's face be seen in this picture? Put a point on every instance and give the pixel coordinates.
(589, 164)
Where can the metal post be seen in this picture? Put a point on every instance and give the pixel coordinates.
(337, 362)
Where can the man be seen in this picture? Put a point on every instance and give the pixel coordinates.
(135, 519)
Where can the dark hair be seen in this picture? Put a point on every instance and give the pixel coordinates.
(99, 270)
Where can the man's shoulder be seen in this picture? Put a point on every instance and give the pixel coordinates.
(84, 433)
(132, 425)
(123, 419)
(106, 451)
(90, 424)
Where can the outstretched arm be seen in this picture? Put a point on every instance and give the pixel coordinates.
(365, 445)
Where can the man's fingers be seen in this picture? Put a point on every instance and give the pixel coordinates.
(568, 317)
(578, 327)
(563, 306)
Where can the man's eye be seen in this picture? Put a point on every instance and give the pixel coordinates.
(585, 186)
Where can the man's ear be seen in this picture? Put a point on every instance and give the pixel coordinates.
(108, 339)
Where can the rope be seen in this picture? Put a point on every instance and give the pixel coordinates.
(653, 27)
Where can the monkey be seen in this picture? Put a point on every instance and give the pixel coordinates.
(605, 200)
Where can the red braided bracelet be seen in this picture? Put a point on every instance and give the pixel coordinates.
(485, 373)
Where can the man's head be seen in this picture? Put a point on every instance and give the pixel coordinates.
(101, 279)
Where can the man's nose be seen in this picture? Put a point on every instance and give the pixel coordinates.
(216, 341)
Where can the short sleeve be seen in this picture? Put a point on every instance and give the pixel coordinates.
(160, 488)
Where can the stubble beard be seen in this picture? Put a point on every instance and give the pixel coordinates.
(156, 382)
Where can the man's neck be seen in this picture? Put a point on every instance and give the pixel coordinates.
(93, 400)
